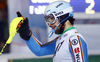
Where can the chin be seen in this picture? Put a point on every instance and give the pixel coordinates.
(59, 30)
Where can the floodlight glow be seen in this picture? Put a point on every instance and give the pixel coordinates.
(34, 1)
(40, 10)
(31, 9)
(88, 6)
(42, 1)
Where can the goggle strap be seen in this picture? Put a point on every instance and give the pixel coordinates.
(49, 35)
(52, 31)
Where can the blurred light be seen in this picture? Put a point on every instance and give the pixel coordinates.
(39, 6)
(31, 9)
(89, 9)
(40, 10)
(67, 1)
(41, 1)
(34, 1)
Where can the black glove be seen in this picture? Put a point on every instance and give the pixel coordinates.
(24, 30)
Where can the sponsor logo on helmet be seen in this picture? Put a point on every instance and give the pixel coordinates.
(59, 13)
(59, 5)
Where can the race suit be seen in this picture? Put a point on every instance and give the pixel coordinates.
(70, 46)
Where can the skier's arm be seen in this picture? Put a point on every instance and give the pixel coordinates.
(78, 49)
(35, 46)
(40, 49)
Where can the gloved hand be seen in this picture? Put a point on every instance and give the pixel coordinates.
(24, 30)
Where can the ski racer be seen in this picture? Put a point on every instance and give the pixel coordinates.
(69, 46)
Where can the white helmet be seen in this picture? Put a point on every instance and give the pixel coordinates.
(57, 9)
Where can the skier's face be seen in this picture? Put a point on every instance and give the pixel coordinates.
(54, 25)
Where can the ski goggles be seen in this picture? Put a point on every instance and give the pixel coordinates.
(52, 18)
